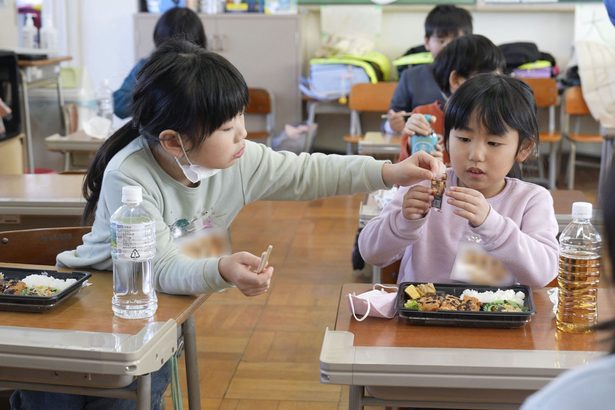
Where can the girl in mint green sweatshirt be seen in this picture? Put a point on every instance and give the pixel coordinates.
(186, 147)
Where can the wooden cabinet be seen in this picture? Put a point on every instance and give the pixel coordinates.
(265, 48)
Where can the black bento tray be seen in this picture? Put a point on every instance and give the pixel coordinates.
(19, 303)
(462, 318)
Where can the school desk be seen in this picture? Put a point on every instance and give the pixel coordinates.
(40, 200)
(80, 347)
(389, 362)
(77, 142)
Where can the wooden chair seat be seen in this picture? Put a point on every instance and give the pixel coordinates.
(586, 138)
(352, 139)
(258, 135)
(39, 246)
(549, 138)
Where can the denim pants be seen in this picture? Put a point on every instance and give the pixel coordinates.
(34, 400)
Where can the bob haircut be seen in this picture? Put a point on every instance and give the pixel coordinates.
(181, 87)
(467, 56)
(180, 23)
(500, 103)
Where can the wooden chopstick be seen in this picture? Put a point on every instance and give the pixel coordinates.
(264, 259)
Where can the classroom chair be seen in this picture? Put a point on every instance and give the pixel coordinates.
(260, 104)
(39, 246)
(575, 108)
(546, 95)
(366, 97)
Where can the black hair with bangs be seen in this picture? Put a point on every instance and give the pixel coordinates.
(500, 103)
(467, 56)
(181, 87)
(448, 20)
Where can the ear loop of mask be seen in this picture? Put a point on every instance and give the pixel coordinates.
(181, 144)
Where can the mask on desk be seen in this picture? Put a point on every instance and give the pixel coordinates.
(376, 303)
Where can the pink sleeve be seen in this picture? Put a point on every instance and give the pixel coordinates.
(385, 238)
(530, 251)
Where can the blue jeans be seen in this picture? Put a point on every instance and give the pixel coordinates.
(34, 400)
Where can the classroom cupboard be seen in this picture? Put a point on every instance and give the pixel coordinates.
(265, 48)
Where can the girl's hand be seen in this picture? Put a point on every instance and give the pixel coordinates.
(396, 120)
(417, 202)
(439, 152)
(418, 167)
(470, 204)
(239, 268)
(417, 124)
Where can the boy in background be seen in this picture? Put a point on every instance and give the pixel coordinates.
(417, 85)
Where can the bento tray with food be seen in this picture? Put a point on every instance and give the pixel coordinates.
(33, 290)
(465, 305)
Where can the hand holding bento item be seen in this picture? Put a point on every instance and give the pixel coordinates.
(416, 202)
(240, 270)
(470, 204)
(418, 167)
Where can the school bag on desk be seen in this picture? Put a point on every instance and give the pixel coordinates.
(524, 60)
(333, 77)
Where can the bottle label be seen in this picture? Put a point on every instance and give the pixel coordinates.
(134, 242)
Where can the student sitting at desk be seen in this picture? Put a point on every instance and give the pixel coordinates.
(461, 59)
(490, 127)
(178, 22)
(186, 147)
(417, 86)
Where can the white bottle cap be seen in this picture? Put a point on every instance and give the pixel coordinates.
(581, 210)
(132, 194)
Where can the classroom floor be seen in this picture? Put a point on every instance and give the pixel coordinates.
(263, 352)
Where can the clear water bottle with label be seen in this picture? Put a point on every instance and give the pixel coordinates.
(579, 272)
(133, 246)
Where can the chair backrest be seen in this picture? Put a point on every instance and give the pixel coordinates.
(544, 89)
(39, 246)
(371, 97)
(260, 103)
(546, 96)
(575, 103)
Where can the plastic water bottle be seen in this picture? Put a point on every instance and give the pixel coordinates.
(579, 272)
(133, 246)
(104, 101)
(28, 33)
(49, 36)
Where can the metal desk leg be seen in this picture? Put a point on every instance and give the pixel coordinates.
(376, 274)
(553, 165)
(144, 392)
(26, 118)
(355, 394)
(606, 160)
(61, 102)
(192, 364)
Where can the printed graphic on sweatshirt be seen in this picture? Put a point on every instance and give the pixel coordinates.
(202, 236)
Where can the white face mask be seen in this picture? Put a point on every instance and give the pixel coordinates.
(195, 173)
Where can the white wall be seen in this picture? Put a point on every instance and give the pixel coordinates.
(106, 47)
(8, 25)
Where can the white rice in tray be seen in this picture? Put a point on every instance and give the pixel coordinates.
(490, 296)
(44, 280)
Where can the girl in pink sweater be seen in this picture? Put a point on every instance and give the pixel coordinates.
(490, 127)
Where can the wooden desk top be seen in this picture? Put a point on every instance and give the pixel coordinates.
(41, 187)
(563, 199)
(47, 61)
(90, 309)
(539, 334)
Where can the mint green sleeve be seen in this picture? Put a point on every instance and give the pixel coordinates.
(173, 272)
(271, 175)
